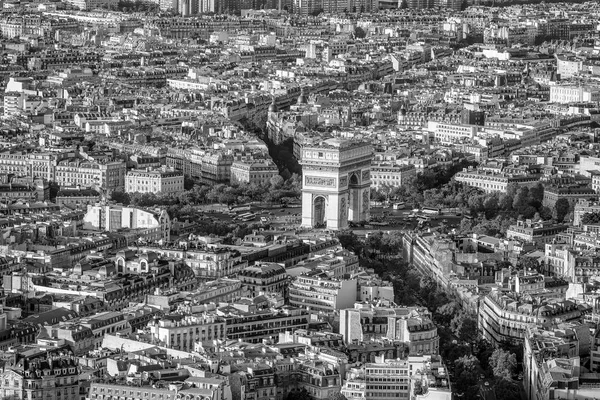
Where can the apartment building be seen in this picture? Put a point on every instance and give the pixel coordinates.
(583, 207)
(15, 162)
(156, 181)
(573, 194)
(254, 172)
(490, 181)
(391, 175)
(538, 232)
(387, 379)
(409, 325)
(321, 294)
(110, 391)
(153, 225)
(80, 338)
(109, 176)
(573, 94)
(266, 278)
(452, 133)
(91, 4)
(59, 379)
(108, 322)
(252, 325)
(181, 332)
(208, 263)
(544, 351)
(504, 318)
(216, 168)
(579, 267)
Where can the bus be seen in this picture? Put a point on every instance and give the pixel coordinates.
(423, 218)
(431, 210)
(247, 217)
(399, 206)
(244, 207)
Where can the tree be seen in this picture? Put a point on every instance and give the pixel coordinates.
(561, 208)
(537, 192)
(403, 5)
(359, 33)
(349, 241)
(503, 364)
(299, 395)
(483, 351)
(276, 182)
(120, 197)
(590, 218)
(521, 199)
(336, 396)
(466, 226)
(464, 327)
(545, 213)
(446, 312)
(506, 390)
(529, 264)
(467, 370)
(491, 207)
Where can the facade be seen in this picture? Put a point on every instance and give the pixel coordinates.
(154, 181)
(105, 323)
(109, 176)
(77, 197)
(573, 195)
(45, 376)
(452, 133)
(254, 326)
(208, 263)
(548, 350)
(491, 182)
(573, 94)
(411, 326)
(390, 378)
(91, 4)
(154, 225)
(583, 207)
(253, 172)
(181, 332)
(578, 267)
(264, 278)
(535, 232)
(336, 183)
(504, 319)
(391, 175)
(322, 294)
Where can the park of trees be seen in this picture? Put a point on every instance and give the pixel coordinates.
(490, 213)
(180, 204)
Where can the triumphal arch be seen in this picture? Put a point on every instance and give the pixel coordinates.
(336, 181)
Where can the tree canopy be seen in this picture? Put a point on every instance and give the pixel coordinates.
(562, 208)
(590, 218)
(503, 364)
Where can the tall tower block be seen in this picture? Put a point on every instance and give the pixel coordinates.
(336, 181)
